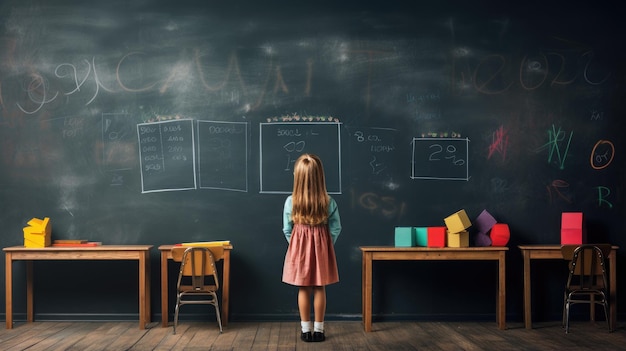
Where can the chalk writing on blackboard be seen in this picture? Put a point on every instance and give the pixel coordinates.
(117, 141)
(372, 150)
(223, 155)
(602, 154)
(282, 143)
(440, 158)
(562, 189)
(603, 194)
(167, 155)
(558, 145)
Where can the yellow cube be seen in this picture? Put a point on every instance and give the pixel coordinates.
(460, 239)
(457, 222)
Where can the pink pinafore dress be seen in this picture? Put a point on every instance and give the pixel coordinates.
(310, 259)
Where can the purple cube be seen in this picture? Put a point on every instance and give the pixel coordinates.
(484, 222)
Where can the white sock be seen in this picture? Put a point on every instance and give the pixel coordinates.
(318, 327)
(306, 326)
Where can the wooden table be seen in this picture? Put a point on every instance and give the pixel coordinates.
(390, 253)
(553, 252)
(166, 254)
(140, 253)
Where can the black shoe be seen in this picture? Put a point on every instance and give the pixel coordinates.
(318, 336)
(306, 337)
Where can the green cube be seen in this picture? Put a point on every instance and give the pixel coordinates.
(421, 236)
(405, 237)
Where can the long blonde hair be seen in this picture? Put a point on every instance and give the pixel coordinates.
(309, 198)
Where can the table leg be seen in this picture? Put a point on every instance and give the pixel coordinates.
(225, 287)
(148, 288)
(142, 290)
(8, 284)
(363, 289)
(501, 304)
(148, 293)
(30, 292)
(164, 290)
(527, 307)
(366, 291)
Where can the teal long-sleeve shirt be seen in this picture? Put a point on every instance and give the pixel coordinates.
(334, 222)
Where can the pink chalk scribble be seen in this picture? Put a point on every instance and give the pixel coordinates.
(499, 143)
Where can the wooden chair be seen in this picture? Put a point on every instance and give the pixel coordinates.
(587, 278)
(198, 279)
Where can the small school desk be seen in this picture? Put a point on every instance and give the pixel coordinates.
(166, 254)
(140, 253)
(553, 252)
(390, 253)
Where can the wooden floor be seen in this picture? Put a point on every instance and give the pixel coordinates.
(341, 335)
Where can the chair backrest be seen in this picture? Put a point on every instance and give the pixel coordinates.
(217, 251)
(198, 263)
(587, 262)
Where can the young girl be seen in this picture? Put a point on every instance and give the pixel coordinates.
(311, 225)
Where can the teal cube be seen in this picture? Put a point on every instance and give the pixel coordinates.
(421, 236)
(405, 237)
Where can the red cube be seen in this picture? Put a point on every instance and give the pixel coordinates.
(436, 236)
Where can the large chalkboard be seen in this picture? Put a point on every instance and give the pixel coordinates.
(157, 122)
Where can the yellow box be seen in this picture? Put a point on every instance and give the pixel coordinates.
(460, 239)
(38, 233)
(36, 240)
(457, 222)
